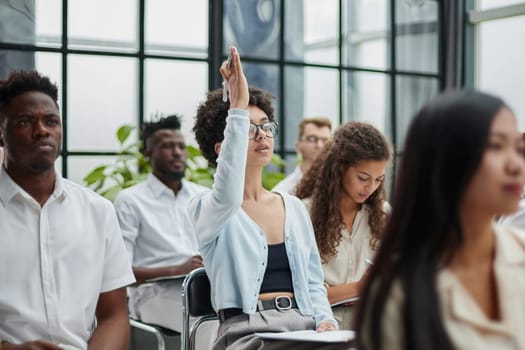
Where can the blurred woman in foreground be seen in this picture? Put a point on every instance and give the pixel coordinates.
(445, 276)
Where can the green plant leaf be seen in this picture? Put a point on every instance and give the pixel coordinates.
(193, 152)
(123, 133)
(95, 175)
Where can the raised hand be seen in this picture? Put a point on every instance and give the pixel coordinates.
(236, 80)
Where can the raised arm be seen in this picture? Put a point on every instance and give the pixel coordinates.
(211, 210)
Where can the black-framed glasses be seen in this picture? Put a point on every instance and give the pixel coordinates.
(270, 130)
(316, 139)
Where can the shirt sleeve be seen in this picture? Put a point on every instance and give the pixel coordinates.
(117, 267)
(209, 211)
(129, 223)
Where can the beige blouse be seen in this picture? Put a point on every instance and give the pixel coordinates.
(466, 324)
(349, 264)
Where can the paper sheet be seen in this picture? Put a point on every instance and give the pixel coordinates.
(310, 336)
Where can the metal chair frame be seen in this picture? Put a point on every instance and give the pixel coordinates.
(204, 312)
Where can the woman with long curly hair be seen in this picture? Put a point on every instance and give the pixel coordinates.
(345, 192)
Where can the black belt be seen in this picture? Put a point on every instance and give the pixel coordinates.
(280, 303)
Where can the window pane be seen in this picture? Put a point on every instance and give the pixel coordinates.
(365, 28)
(266, 76)
(309, 92)
(366, 98)
(31, 22)
(17, 22)
(50, 65)
(291, 163)
(14, 59)
(500, 62)
(253, 26)
(177, 27)
(487, 4)
(48, 22)
(412, 93)
(312, 37)
(103, 24)
(166, 92)
(102, 97)
(79, 166)
(417, 36)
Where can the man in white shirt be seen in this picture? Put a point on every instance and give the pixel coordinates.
(313, 134)
(158, 233)
(63, 264)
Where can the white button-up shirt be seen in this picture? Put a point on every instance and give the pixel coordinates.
(155, 222)
(55, 260)
(157, 232)
(289, 183)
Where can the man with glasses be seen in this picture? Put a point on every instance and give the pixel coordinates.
(314, 133)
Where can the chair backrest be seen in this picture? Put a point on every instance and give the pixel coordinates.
(196, 304)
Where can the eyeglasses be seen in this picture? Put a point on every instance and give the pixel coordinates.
(269, 128)
(316, 139)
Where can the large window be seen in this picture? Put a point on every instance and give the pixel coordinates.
(372, 60)
(497, 50)
(125, 61)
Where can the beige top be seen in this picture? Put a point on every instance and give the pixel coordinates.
(466, 324)
(348, 264)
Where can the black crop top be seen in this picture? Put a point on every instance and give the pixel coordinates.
(278, 276)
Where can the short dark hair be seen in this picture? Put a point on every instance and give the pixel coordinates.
(148, 128)
(210, 121)
(444, 146)
(22, 81)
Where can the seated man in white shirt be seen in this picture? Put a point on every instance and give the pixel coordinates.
(157, 231)
(313, 134)
(63, 265)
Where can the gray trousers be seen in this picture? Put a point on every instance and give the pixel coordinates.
(237, 333)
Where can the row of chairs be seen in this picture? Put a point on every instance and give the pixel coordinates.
(197, 314)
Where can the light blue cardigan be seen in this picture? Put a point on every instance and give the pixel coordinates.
(234, 247)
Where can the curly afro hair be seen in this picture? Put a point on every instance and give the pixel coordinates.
(210, 121)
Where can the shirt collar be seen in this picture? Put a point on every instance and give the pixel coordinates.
(158, 187)
(9, 188)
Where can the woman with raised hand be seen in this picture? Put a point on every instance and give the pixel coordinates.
(258, 247)
(445, 276)
(344, 190)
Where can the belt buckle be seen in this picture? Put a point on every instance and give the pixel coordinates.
(278, 300)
